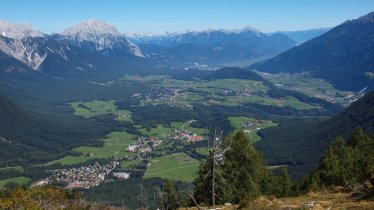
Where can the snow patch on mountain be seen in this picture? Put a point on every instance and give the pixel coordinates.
(102, 35)
(18, 31)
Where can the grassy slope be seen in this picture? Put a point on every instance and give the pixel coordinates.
(95, 108)
(19, 180)
(177, 166)
(115, 144)
(236, 122)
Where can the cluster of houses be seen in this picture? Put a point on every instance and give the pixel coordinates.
(250, 123)
(82, 177)
(167, 95)
(353, 96)
(186, 135)
(144, 145)
(238, 92)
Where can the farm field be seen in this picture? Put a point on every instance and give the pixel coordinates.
(115, 145)
(203, 150)
(237, 123)
(226, 92)
(71, 160)
(161, 131)
(304, 83)
(96, 108)
(178, 167)
(14, 168)
(128, 164)
(19, 180)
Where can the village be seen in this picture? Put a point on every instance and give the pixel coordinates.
(186, 135)
(92, 175)
(237, 92)
(80, 177)
(144, 145)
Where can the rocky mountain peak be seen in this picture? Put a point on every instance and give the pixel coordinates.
(18, 31)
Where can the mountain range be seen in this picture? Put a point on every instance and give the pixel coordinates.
(94, 46)
(213, 46)
(87, 47)
(344, 56)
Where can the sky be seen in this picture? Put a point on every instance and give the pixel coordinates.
(179, 15)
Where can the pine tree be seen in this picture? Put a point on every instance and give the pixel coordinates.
(244, 168)
(285, 182)
(170, 197)
(203, 182)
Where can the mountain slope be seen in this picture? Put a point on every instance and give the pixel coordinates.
(9, 64)
(301, 142)
(344, 56)
(27, 137)
(304, 35)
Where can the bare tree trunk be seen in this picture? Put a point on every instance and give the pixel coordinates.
(194, 201)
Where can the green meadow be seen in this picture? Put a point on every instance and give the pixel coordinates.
(237, 123)
(178, 167)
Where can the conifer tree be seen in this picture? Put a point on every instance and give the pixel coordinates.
(244, 168)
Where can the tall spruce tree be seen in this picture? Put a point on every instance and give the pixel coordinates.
(244, 168)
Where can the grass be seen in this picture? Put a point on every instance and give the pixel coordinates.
(211, 92)
(203, 151)
(304, 83)
(14, 168)
(323, 200)
(187, 126)
(93, 108)
(115, 145)
(124, 115)
(96, 108)
(71, 160)
(127, 164)
(19, 180)
(159, 131)
(178, 167)
(237, 123)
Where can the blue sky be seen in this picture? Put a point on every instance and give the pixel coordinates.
(179, 15)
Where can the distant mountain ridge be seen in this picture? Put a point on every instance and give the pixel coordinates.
(301, 36)
(344, 56)
(213, 46)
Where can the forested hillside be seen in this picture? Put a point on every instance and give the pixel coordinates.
(342, 56)
(306, 139)
(26, 137)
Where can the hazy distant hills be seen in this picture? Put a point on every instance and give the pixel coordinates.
(213, 46)
(344, 56)
(304, 35)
